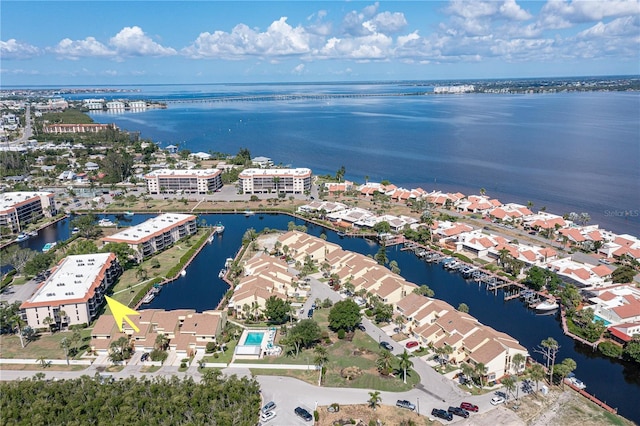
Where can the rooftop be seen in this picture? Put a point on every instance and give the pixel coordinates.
(148, 228)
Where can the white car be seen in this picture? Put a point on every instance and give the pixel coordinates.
(268, 416)
(497, 400)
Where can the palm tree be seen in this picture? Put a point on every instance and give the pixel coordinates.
(65, 344)
(467, 369)
(405, 363)
(536, 373)
(509, 383)
(384, 362)
(320, 360)
(43, 361)
(48, 321)
(480, 370)
(374, 400)
(518, 361)
(18, 321)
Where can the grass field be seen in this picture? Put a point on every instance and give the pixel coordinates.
(46, 345)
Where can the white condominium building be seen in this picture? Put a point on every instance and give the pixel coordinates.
(74, 291)
(188, 181)
(17, 209)
(266, 181)
(155, 234)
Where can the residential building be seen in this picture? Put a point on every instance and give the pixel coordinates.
(186, 330)
(18, 209)
(262, 162)
(155, 234)
(266, 181)
(187, 181)
(74, 292)
(115, 105)
(93, 104)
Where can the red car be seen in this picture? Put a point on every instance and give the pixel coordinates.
(469, 407)
(411, 344)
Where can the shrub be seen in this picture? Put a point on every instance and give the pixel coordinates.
(183, 365)
(157, 355)
(610, 349)
(316, 415)
(211, 347)
(368, 312)
(341, 334)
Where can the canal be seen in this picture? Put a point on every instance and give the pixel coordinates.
(613, 381)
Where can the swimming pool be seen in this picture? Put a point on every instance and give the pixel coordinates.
(254, 338)
(599, 318)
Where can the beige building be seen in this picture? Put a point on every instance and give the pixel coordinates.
(74, 292)
(59, 128)
(267, 181)
(186, 330)
(155, 234)
(187, 181)
(18, 209)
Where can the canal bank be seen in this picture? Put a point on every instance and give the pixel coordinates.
(612, 381)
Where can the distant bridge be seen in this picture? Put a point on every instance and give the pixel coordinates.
(283, 97)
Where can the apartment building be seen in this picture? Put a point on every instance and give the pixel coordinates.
(74, 291)
(267, 181)
(155, 234)
(18, 209)
(76, 128)
(187, 181)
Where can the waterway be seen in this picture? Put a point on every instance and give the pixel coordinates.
(612, 381)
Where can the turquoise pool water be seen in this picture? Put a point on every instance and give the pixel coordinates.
(254, 338)
(598, 318)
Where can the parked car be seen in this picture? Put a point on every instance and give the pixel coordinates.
(403, 403)
(303, 414)
(497, 400)
(442, 414)
(361, 327)
(459, 412)
(411, 344)
(310, 313)
(386, 345)
(469, 406)
(268, 416)
(144, 357)
(269, 406)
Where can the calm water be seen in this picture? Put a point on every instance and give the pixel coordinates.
(568, 151)
(615, 382)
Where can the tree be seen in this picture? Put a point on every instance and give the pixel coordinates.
(48, 321)
(382, 227)
(17, 257)
(382, 312)
(405, 363)
(632, 349)
(467, 370)
(536, 373)
(321, 358)
(509, 383)
(86, 225)
(393, 265)
(65, 345)
(344, 315)
(161, 343)
(124, 253)
(277, 310)
(302, 335)
(340, 173)
(623, 274)
(480, 371)
(463, 307)
(383, 363)
(117, 166)
(549, 349)
(564, 368)
(381, 256)
(374, 400)
(119, 350)
(424, 290)
(518, 361)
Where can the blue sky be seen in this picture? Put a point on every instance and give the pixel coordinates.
(145, 42)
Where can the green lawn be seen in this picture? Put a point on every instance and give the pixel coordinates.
(225, 356)
(46, 345)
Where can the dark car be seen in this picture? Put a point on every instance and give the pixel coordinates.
(442, 414)
(459, 412)
(361, 327)
(303, 414)
(310, 313)
(469, 406)
(403, 403)
(386, 345)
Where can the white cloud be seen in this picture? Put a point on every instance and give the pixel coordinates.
(132, 41)
(387, 22)
(472, 9)
(298, 69)
(558, 14)
(510, 9)
(374, 46)
(621, 27)
(280, 39)
(13, 49)
(89, 47)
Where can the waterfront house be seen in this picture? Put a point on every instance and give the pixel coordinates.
(74, 292)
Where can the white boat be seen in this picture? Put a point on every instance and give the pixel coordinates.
(105, 222)
(75, 230)
(547, 305)
(49, 246)
(248, 213)
(129, 213)
(21, 237)
(33, 233)
(219, 228)
(572, 379)
(149, 297)
(222, 273)
(183, 272)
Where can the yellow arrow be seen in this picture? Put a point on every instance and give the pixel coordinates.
(120, 312)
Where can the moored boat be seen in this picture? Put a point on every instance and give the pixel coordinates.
(248, 213)
(149, 297)
(222, 273)
(547, 305)
(32, 233)
(21, 237)
(105, 222)
(75, 230)
(129, 213)
(49, 246)
(218, 228)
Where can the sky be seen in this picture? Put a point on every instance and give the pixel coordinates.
(167, 42)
